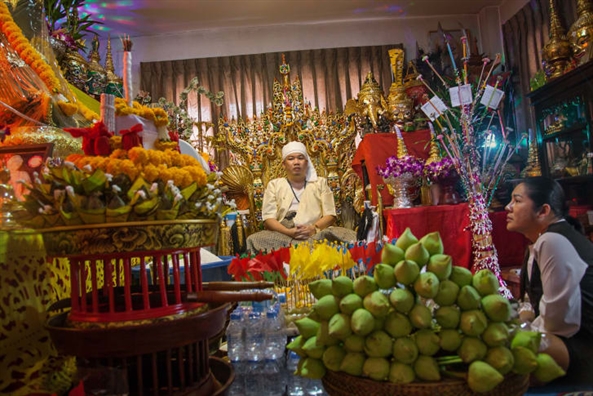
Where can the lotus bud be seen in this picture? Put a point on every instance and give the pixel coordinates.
(547, 369)
(427, 341)
(312, 368)
(313, 349)
(525, 360)
(364, 285)
(482, 377)
(427, 285)
(307, 327)
(397, 324)
(405, 350)
(461, 276)
(448, 317)
(447, 294)
(420, 316)
(354, 343)
(473, 323)
(501, 358)
(406, 272)
(441, 265)
(402, 300)
(296, 345)
(497, 307)
(320, 288)
(352, 363)
(326, 307)
(377, 303)
(323, 337)
(362, 322)
(339, 326)
(384, 276)
(378, 344)
(527, 339)
(333, 356)
(450, 339)
(472, 348)
(496, 334)
(376, 368)
(341, 286)
(406, 239)
(468, 298)
(391, 254)
(485, 282)
(400, 373)
(433, 243)
(427, 368)
(350, 303)
(417, 253)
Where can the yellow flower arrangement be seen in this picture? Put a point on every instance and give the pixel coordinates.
(156, 115)
(27, 53)
(126, 186)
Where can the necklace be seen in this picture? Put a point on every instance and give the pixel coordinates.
(292, 189)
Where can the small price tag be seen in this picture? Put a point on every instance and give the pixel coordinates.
(461, 95)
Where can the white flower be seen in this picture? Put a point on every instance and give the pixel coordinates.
(87, 168)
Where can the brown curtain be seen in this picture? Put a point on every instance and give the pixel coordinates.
(329, 78)
(525, 34)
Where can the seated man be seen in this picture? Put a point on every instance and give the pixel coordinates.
(298, 207)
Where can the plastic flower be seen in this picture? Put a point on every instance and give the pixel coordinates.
(395, 167)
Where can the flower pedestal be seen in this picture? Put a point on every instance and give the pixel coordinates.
(403, 190)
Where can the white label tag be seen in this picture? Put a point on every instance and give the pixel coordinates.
(461, 95)
(492, 97)
(434, 108)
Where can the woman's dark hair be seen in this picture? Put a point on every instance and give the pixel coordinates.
(542, 190)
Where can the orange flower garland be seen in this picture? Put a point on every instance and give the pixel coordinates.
(157, 115)
(27, 53)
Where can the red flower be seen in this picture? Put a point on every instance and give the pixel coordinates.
(130, 137)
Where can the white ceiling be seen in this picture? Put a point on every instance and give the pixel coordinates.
(157, 17)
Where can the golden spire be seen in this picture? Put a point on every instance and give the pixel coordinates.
(580, 33)
(557, 53)
(434, 154)
(109, 68)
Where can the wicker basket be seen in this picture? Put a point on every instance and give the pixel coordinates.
(341, 384)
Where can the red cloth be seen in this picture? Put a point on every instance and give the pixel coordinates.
(452, 222)
(375, 148)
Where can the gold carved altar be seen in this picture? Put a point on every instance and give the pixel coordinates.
(256, 146)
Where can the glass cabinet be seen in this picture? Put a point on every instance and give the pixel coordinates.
(563, 110)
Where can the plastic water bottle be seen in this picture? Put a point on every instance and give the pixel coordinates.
(254, 337)
(275, 336)
(273, 379)
(295, 383)
(235, 336)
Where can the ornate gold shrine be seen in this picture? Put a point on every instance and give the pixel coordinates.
(256, 146)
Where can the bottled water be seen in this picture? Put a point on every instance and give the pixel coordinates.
(275, 336)
(273, 380)
(295, 383)
(235, 336)
(254, 337)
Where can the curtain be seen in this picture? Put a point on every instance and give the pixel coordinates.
(525, 35)
(329, 78)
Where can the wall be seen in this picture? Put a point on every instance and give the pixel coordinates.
(275, 38)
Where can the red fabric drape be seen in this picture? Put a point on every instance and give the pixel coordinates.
(451, 221)
(374, 149)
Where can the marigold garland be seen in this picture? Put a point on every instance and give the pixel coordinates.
(29, 54)
(157, 115)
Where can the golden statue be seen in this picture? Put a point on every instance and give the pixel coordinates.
(400, 105)
(97, 76)
(580, 33)
(557, 54)
(371, 101)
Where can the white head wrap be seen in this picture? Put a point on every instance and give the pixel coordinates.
(298, 147)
